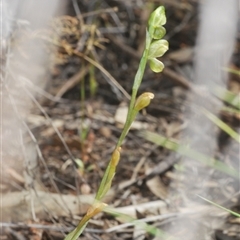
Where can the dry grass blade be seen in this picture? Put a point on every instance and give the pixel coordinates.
(104, 71)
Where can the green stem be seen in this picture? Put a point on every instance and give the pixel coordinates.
(137, 82)
(102, 188)
(110, 171)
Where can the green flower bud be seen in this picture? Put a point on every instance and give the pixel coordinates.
(157, 17)
(157, 48)
(159, 32)
(156, 65)
(143, 101)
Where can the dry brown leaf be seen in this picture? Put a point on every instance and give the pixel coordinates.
(181, 56)
(155, 185)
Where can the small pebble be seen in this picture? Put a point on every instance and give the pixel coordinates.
(105, 131)
(85, 189)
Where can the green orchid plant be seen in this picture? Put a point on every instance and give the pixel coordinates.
(155, 47)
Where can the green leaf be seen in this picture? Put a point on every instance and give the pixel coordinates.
(156, 65)
(158, 48)
(233, 71)
(219, 206)
(227, 129)
(227, 96)
(75, 233)
(230, 110)
(188, 152)
(140, 223)
(92, 80)
(159, 32)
